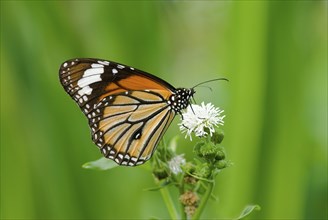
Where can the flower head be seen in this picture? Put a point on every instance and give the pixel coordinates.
(175, 164)
(201, 119)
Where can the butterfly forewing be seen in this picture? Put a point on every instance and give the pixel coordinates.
(128, 110)
(91, 80)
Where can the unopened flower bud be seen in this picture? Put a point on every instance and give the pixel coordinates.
(189, 198)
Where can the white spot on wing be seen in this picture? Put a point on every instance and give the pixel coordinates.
(104, 62)
(94, 71)
(86, 81)
(90, 76)
(85, 91)
(114, 71)
(96, 65)
(140, 162)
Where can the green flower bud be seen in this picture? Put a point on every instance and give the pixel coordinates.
(208, 151)
(203, 170)
(220, 154)
(188, 167)
(217, 137)
(197, 148)
(160, 173)
(221, 164)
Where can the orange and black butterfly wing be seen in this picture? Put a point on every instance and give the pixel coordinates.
(128, 110)
(128, 133)
(88, 81)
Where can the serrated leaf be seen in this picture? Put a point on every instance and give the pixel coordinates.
(248, 210)
(100, 164)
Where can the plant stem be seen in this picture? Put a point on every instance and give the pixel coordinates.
(169, 203)
(182, 208)
(204, 200)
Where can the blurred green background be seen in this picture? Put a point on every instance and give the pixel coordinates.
(273, 52)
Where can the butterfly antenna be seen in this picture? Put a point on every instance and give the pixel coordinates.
(210, 81)
(208, 87)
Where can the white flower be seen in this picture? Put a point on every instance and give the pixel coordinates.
(175, 164)
(198, 117)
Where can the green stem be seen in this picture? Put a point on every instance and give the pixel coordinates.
(204, 200)
(182, 208)
(169, 203)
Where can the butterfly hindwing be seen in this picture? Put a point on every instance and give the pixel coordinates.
(128, 133)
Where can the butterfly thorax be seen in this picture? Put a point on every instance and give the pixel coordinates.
(180, 99)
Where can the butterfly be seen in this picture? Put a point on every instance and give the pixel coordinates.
(128, 110)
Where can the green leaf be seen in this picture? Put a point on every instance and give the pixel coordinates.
(248, 210)
(174, 143)
(100, 164)
(156, 188)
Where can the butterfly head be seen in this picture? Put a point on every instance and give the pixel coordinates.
(181, 99)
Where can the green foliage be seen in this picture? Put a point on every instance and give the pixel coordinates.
(194, 180)
(100, 164)
(248, 210)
